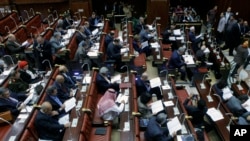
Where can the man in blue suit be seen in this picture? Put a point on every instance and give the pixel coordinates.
(176, 61)
(63, 92)
(194, 41)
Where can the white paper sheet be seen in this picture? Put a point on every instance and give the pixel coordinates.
(174, 125)
(69, 104)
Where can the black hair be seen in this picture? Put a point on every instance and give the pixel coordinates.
(201, 104)
(145, 97)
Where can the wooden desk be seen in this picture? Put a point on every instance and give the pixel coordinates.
(220, 125)
(238, 92)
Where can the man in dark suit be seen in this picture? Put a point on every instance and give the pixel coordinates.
(103, 81)
(114, 53)
(63, 92)
(68, 79)
(145, 35)
(80, 35)
(8, 103)
(57, 104)
(176, 61)
(109, 38)
(140, 25)
(47, 127)
(67, 21)
(93, 21)
(42, 51)
(194, 41)
(157, 129)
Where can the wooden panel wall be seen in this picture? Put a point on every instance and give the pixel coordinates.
(158, 8)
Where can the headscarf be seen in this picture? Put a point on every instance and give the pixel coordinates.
(107, 101)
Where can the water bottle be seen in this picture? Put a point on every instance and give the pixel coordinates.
(154, 97)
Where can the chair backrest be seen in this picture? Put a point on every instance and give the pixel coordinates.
(6, 117)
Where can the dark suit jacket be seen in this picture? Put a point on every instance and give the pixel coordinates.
(92, 25)
(194, 41)
(13, 48)
(6, 105)
(48, 127)
(176, 60)
(141, 86)
(108, 39)
(63, 92)
(103, 85)
(67, 82)
(67, 23)
(80, 37)
(156, 133)
(55, 105)
(114, 52)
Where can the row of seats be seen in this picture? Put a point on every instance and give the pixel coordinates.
(8, 21)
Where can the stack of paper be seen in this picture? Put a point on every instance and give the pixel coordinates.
(116, 78)
(157, 106)
(64, 119)
(177, 32)
(155, 45)
(86, 80)
(121, 98)
(155, 82)
(69, 104)
(226, 93)
(124, 50)
(174, 125)
(214, 114)
(168, 103)
(94, 32)
(246, 105)
(189, 60)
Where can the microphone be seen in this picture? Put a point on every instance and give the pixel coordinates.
(21, 18)
(175, 108)
(46, 60)
(36, 29)
(10, 59)
(4, 120)
(218, 106)
(7, 28)
(14, 21)
(50, 15)
(32, 11)
(202, 85)
(47, 20)
(87, 66)
(232, 117)
(209, 98)
(25, 11)
(127, 77)
(56, 14)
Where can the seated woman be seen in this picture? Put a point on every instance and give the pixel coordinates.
(17, 86)
(26, 75)
(107, 108)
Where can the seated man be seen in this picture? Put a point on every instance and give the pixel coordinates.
(69, 81)
(93, 21)
(155, 130)
(8, 103)
(143, 108)
(176, 61)
(103, 81)
(139, 48)
(109, 38)
(63, 92)
(57, 104)
(233, 103)
(145, 35)
(107, 108)
(244, 119)
(81, 54)
(143, 86)
(46, 126)
(114, 53)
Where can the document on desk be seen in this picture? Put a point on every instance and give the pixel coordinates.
(155, 82)
(122, 97)
(92, 54)
(156, 107)
(166, 87)
(174, 125)
(177, 32)
(94, 32)
(214, 114)
(124, 50)
(25, 43)
(168, 103)
(144, 44)
(69, 104)
(155, 45)
(63, 120)
(246, 105)
(86, 80)
(100, 24)
(227, 93)
(116, 78)
(172, 38)
(189, 60)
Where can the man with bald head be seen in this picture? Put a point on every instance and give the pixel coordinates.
(143, 86)
(42, 51)
(63, 92)
(48, 128)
